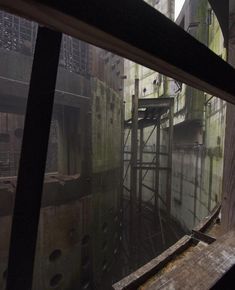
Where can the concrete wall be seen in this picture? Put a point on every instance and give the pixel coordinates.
(79, 231)
(199, 123)
(199, 130)
(152, 84)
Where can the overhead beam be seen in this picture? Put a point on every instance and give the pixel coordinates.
(138, 32)
(155, 102)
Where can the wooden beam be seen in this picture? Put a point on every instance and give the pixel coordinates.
(199, 236)
(33, 160)
(200, 269)
(221, 9)
(138, 32)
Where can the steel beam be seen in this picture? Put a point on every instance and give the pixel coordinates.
(157, 165)
(140, 168)
(154, 103)
(170, 143)
(133, 173)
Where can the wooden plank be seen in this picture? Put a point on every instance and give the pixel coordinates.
(199, 236)
(137, 278)
(138, 32)
(202, 270)
(208, 220)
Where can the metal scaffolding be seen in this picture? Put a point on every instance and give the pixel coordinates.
(149, 116)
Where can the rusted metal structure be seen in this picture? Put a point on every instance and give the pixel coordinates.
(147, 113)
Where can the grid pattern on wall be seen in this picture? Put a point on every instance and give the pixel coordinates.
(18, 34)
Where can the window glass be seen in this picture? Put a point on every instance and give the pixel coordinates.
(17, 41)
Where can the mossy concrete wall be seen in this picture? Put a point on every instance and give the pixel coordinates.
(80, 214)
(152, 84)
(199, 133)
(199, 122)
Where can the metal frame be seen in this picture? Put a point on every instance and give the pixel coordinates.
(136, 123)
(154, 110)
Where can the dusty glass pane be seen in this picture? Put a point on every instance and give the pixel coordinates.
(92, 233)
(199, 19)
(17, 40)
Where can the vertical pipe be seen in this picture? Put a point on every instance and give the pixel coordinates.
(181, 177)
(157, 163)
(122, 179)
(140, 190)
(134, 155)
(169, 171)
(33, 160)
(157, 209)
(210, 183)
(196, 186)
(140, 168)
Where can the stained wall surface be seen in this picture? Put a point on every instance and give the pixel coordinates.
(199, 125)
(80, 229)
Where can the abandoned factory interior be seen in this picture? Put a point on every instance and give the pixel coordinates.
(117, 133)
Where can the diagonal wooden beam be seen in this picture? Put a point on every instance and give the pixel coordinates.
(221, 9)
(136, 31)
(33, 160)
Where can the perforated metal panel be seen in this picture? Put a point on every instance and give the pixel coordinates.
(19, 35)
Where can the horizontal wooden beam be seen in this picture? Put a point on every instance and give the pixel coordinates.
(136, 31)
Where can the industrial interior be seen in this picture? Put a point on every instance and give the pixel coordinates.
(117, 144)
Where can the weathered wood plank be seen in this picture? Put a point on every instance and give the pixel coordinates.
(147, 271)
(199, 236)
(208, 220)
(138, 32)
(153, 267)
(201, 271)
